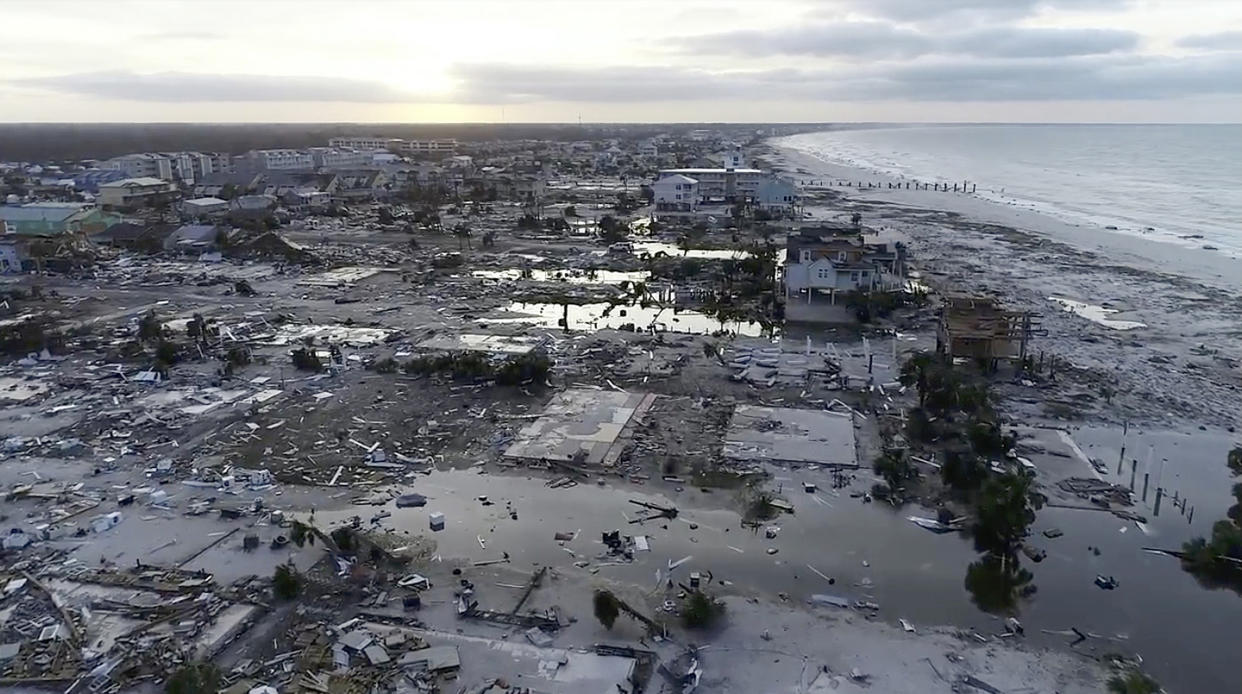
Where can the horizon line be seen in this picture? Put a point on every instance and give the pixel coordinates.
(613, 123)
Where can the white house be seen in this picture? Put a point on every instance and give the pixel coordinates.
(676, 193)
(830, 265)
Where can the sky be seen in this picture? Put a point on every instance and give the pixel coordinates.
(631, 61)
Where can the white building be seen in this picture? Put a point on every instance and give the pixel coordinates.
(280, 159)
(141, 165)
(817, 265)
(731, 159)
(428, 146)
(721, 184)
(191, 167)
(364, 143)
(676, 193)
(334, 158)
(187, 167)
(204, 207)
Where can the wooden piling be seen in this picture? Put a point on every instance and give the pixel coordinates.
(1159, 493)
(1125, 428)
(1145, 476)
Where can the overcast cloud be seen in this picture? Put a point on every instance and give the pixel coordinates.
(937, 11)
(873, 39)
(186, 86)
(478, 60)
(1222, 41)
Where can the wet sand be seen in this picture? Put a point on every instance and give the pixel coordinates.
(1179, 369)
(1219, 268)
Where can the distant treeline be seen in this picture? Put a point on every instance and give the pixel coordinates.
(75, 141)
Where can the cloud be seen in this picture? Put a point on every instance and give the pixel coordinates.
(181, 36)
(1091, 78)
(493, 83)
(1034, 42)
(1223, 41)
(854, 39)
(198, 87)
(885, 40)
(957, 11)
(964, 79)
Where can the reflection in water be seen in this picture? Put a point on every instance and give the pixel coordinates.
(1097, 314)
(567, 276)
(996, 584)
(605, 315)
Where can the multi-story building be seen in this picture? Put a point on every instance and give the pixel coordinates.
(190, 167)
(718, 185)
(778, 196)
(832, 260)
(447, 146)
(334, 158)
(279, 159)
(141, 165)
(185, 167)
(676, 193)
(136, 192)
(364, 143)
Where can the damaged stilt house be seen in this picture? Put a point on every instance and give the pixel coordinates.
(977, 327)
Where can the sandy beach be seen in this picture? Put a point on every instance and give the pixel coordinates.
(1178, 369)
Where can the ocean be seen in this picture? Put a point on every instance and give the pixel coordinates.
(1175, 183)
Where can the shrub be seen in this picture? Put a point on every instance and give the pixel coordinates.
(286, 582)
(194, 678)
(305, 359)
(702, 611)
(167, 352)
(387, 365)
(606, 608)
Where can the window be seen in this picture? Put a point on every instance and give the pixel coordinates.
(853, 276)
(841, 256)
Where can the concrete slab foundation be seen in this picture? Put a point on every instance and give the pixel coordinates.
(786, 435)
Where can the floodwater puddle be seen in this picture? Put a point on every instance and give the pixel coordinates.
(567, 276)
(608, 316)
(1097, 314)
(654, 248)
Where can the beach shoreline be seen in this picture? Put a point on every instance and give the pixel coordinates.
(1178, 369)
(1218, 268)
